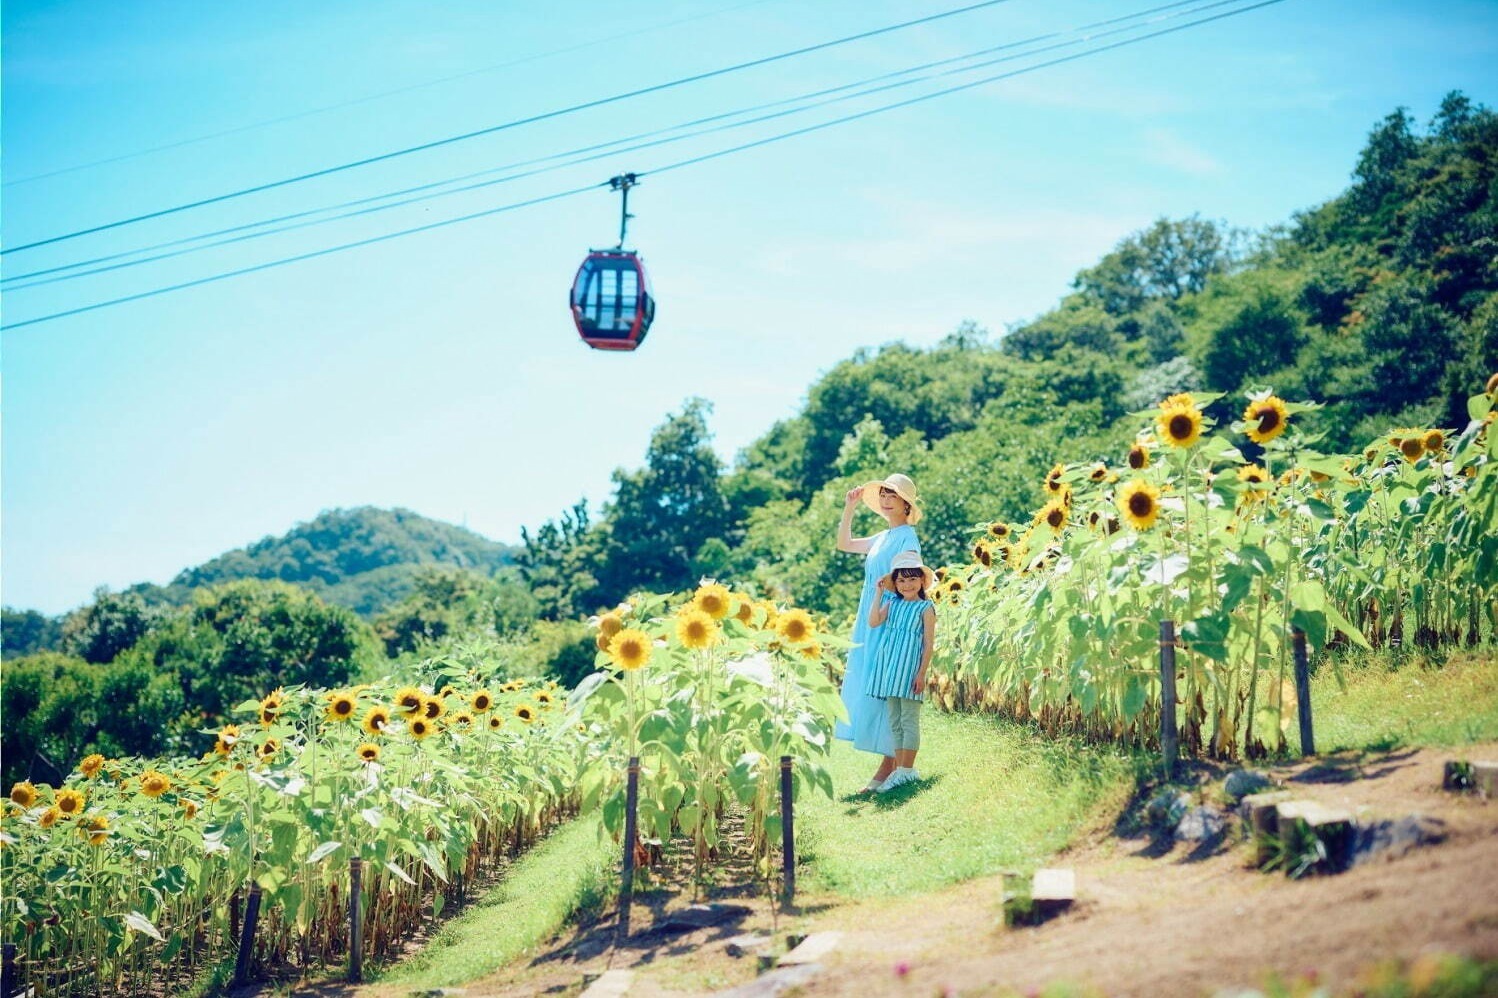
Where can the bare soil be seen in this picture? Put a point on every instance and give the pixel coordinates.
(1153, 917)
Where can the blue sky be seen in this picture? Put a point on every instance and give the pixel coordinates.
(440, 371)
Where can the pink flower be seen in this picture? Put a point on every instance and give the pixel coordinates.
(902, 968)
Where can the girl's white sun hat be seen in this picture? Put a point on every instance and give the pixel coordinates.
(903, 487)
(910, 559)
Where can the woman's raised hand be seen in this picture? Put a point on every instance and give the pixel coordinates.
(854, 497)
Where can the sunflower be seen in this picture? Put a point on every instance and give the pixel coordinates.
(630, 649)
(610, 624)
(482, 701)
(743, 610)
(408, 700)
(1266, 419)
(433, 708)
(997, 530)
(601, 641)
(420, 727)
(1053, 479)
(526, 713)
(49, 817)
(795, 626)
(91, 765)
(1139, 502)
(1492, 385)
(1177, 400)
(713, 600)
(695, 629)
(228, 736)
(271, 706)
(1412, 448)
(462, 719)
(1180, 425)
(368, 752)
(376, 720)
(982, 554)
(189, 809)
(1099, 472)
(1433, 440)
(496, 722)
(1053, 515)
(543, 698)
(154, 784)
(1139, 457)
(97, 830)
(341, 706)
(1252, 474)
(24, 794)
(268, 749)
(70, 802)
(954, 586)
(812, 651)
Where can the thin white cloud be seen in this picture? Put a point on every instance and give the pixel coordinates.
(1163, 147)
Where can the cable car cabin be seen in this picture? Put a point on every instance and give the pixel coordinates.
(611, 300)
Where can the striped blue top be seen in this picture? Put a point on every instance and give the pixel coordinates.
(898, 656)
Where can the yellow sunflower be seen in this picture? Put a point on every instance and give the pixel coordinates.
(482, 701)
(795, 626)
(1139, 502)
(630, 649)
(420, 727)
(1492, 386)
(1412, 448)
(228, 737)
(49, 817)
(982, 554)
(408, 700)
(1053, 479)
(462, 719)
(376, 720)
(743, 610)
(1099, 472)
(189, 809)
(998, 530)
(91, 765)
(96, 828)
(368, 752)
(1252, 474)
(1178, 399)
(543, 698)
(24, 794)
(1181, 425)
(1433, 440)
(526, 713)
(70, 802)
(154, 784)
(1139, 457)
(713, 600)
(433, 708)
(496, 722)
(341, 706)
(1053, 515)
(268, 749)
(695, 629)
(1266, 419)
(610, 624)
(270, 707)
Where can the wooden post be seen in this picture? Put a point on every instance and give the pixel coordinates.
(1303, 691)
(787, 829)
(247, 937)
(8, 972)
(234, 915)
(355, 920)
(1169, 741)
(631, 806)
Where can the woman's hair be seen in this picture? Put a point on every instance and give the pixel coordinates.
(907, 573)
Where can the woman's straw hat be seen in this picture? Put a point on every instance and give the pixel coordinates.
(910, 559)
(903, 487)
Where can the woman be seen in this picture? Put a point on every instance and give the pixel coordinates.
(868, 722)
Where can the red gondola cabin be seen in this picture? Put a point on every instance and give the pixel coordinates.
(611, 300)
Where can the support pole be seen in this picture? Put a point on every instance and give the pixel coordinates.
(247, 937)
(631, 807)
(8, 972)
(1303, 691)
(787, 829)
(1169, 741)
(355, 921)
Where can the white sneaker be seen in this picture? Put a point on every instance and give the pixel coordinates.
(898, 778)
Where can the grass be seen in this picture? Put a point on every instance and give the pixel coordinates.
(570, 871)
(992, 797)
(1406, 698)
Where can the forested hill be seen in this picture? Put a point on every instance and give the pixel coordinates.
(364, 558)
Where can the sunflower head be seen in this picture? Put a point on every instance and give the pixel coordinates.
(1053, 479)
(69, 802)
(1252, 474)
(1491, 387)
(228, 737)
(1180, 425)
(462, 719)
(1265, 418)
(268, 749)
(543, 698)
(997, 530)
(713, 600)
(270, 707)
(49, 817)
(341, 706)
(1434, 441)
(1412, 448)
(23, 794)
(1178, 399)
(795, 626)
(433, 708)
(154, 784)
(1139, 457)
(695, 629)
(610, 624)
(526, 713)
(420, 727)
(482, 701)
(408, 700)
(376, 720)
(1053, 515)
(1098, 473)
(496, 722)
(189, 809)
(368, 752)
(96, 828)
(630, 649)
(1139, 504)
(743, 610)
(982, 554)
(91, 765)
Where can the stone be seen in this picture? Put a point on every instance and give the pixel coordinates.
(748, 944)
(1201, 824)
(1242, 782)
(775, 982)
(702, 916)
(812, 949)
(1167, 807)
(610, 984)
(1393, 838)
(1332, 829)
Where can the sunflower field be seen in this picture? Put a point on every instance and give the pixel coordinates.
(1239, 533)
(135, 873)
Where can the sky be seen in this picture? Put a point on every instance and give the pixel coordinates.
(440, 371)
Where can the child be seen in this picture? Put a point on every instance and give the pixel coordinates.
(904, 652)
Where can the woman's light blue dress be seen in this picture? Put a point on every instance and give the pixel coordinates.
(867, 726)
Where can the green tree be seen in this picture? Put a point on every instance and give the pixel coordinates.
(111, 624)
(25, 632)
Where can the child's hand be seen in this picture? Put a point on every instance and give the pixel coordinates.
(919, 686)
(883, 584)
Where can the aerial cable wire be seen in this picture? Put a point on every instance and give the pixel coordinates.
(369, 98)
(294, 217)
(680, 164)
(492, 129)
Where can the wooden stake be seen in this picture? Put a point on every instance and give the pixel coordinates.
(355, 920)
(1169, 741)
(1303, 691)
(631, 806)
(247, 937)
(787, 829)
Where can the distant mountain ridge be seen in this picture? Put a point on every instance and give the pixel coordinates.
(364, 558)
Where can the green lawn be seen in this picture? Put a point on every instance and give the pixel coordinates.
(1405, 699)
(992, 797)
